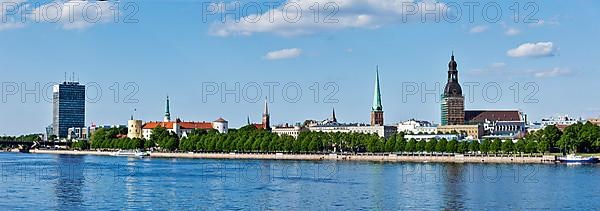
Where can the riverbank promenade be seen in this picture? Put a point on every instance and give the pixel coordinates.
(438, 158)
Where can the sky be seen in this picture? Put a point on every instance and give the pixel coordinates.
(222, 58)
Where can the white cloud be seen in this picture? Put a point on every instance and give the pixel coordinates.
(540, 49)
(11, 25)
(69, 14)
(283, 54)
(478, 29)
(74, 14)
(512, 31)
(496, 68)
(9, 9)
(554, 72)
(9, 5)
(364, 14)
(542, 22)
(498, 65)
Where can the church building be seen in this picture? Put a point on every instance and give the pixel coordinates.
(453, 101)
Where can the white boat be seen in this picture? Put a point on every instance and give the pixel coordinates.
(577, 159)
(130, 153)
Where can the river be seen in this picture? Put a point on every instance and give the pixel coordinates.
(67, 182)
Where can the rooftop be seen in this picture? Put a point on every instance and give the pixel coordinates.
(492, 115)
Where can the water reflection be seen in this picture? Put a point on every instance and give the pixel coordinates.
(454, 184)
(116, 183)
(69, 183)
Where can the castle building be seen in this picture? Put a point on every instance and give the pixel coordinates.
(377, 109)
(134, 128)
(181, 128)
(453, 101)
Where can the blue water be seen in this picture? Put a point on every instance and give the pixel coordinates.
(62, 182)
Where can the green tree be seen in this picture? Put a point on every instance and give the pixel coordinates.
(474, 146)
(390, 144)
(452, 146)
(496, 146)
(430, 146)
(531, 147)
(551, 134)
(400, 145)
(421, 146)
(441, 145)
(507, 146)
(411, 146)
(485, 146)
(569, 142)
(520, 145)
(543, 146)
(463, 147)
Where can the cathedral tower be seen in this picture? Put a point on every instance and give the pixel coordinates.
(453, 101)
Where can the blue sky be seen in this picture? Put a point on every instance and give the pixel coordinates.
(172, 51)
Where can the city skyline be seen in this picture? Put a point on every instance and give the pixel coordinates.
(177, 60)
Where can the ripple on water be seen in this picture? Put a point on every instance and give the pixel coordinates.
(108, 183)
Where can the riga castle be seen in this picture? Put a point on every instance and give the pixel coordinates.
(182, 128)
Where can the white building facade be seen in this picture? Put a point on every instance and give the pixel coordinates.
(292, 131)
(413, 126)
(381, 131)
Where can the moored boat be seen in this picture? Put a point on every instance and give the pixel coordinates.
(577, 159)
(130, 153)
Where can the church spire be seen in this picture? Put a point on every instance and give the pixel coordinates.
(377, 109)
(333, 119)
(266, 108)
(167, 112)
(377, 93)
(266, 119)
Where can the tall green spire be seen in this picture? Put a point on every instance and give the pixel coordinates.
(377, 94)
(167, 112)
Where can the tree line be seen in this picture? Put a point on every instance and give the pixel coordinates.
(22, 138)
(575, 138)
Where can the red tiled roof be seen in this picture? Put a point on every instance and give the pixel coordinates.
(258, 126)
(195, 125)
(152, 125)
(492, 115)
(562, 127)
(220, 120)
(182, 125)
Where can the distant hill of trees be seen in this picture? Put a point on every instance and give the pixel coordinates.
(23, 138)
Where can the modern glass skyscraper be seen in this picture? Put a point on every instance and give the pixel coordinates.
(68, 107)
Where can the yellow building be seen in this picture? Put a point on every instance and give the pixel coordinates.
(134, 128)
(473, 131)
(594, 121)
